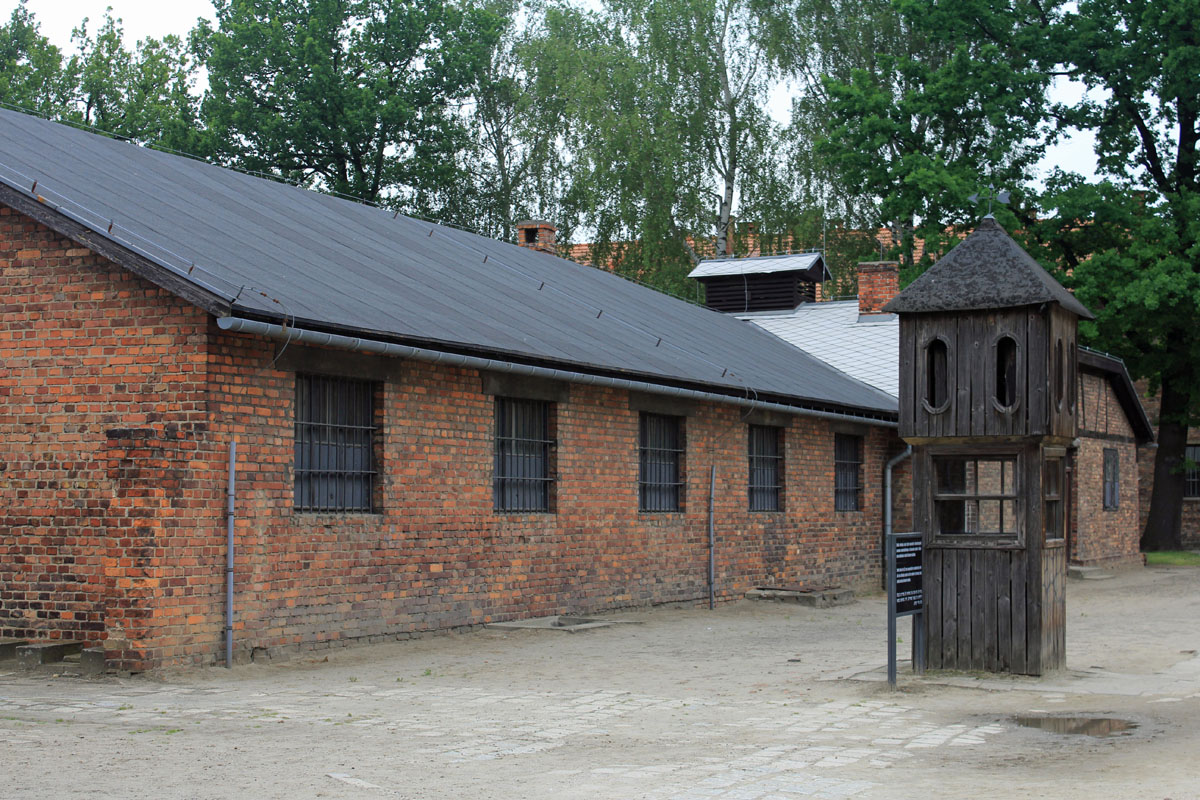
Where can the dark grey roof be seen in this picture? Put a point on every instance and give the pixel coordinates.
(1114, 370)
(269, 250)
(986, 270)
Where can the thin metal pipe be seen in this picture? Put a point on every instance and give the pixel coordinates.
(887, 489)
(230, 496)
(712, 538)
(273, 331)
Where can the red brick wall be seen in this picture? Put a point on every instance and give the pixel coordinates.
(1100, 536)
(101, 408)
(117, 405)
(438, 556)
(878, 283)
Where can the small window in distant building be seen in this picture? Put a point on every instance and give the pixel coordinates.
(660, 463)
(936, 381)
(522, 477)
(1112, 480)
(1191, 486)
(334, 444)
(847, 472)
(1006, 372)
(766, 468)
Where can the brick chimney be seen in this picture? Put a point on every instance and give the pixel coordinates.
(537, 234)
(878, 282)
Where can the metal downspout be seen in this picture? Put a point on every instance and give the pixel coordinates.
(712, 538)
(887, 489)
(273, 331)
(230, 496)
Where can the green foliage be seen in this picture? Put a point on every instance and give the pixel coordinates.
(146, 95)
(1173, 558)
(910, 115)
(666, 108)
(31, 69)
(515, 163)
(352, 96)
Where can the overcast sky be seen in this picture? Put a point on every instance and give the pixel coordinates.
(157, 18)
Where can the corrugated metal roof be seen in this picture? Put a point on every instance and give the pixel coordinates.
(986, 270)
(319, 260)
(761, 265)
(866, 347)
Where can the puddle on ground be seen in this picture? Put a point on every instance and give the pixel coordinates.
(1081, 726)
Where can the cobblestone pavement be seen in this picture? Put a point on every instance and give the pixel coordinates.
(751, 702)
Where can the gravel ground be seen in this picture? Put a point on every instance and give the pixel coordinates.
(753, 701)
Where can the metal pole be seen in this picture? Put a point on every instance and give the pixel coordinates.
(230, 495)
(712, 538)
(890, 544)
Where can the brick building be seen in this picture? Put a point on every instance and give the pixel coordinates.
(859, 338)
(432, 429)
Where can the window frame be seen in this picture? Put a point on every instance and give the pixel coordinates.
(1111, 479)
(664, 436)
(847, 495)
(764, 482)
(523, 469)
(1191, 477)
(974, 496)
(354, 486)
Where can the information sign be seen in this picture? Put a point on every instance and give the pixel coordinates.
(907, 598)
(905, 553)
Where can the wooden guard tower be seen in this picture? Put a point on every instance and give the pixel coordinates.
(988, 402)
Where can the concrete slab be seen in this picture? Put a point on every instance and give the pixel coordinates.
(32, 656)
(92, 661)
(8, 647)
(1089, 573)
(824, 598)
(559, 622)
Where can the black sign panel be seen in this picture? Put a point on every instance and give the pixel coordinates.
(908, 596)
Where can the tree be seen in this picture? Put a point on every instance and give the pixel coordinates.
(907, 120)
(517, 122)
(352, 96)
(32, 72)
(667, 107)
(1137, 262)
(147, 96)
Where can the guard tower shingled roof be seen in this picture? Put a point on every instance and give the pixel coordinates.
(989, 270)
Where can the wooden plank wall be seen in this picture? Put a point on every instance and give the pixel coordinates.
(1054, 608)
(984, 611)
(971, 363)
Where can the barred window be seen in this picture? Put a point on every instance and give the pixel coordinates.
(660, 463)
(335, 444)
(847, 472)
(1112, 480)
(766, 468)
(1191, 486)
(522, 476)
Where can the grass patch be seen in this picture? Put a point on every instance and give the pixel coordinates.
(1173, 558)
